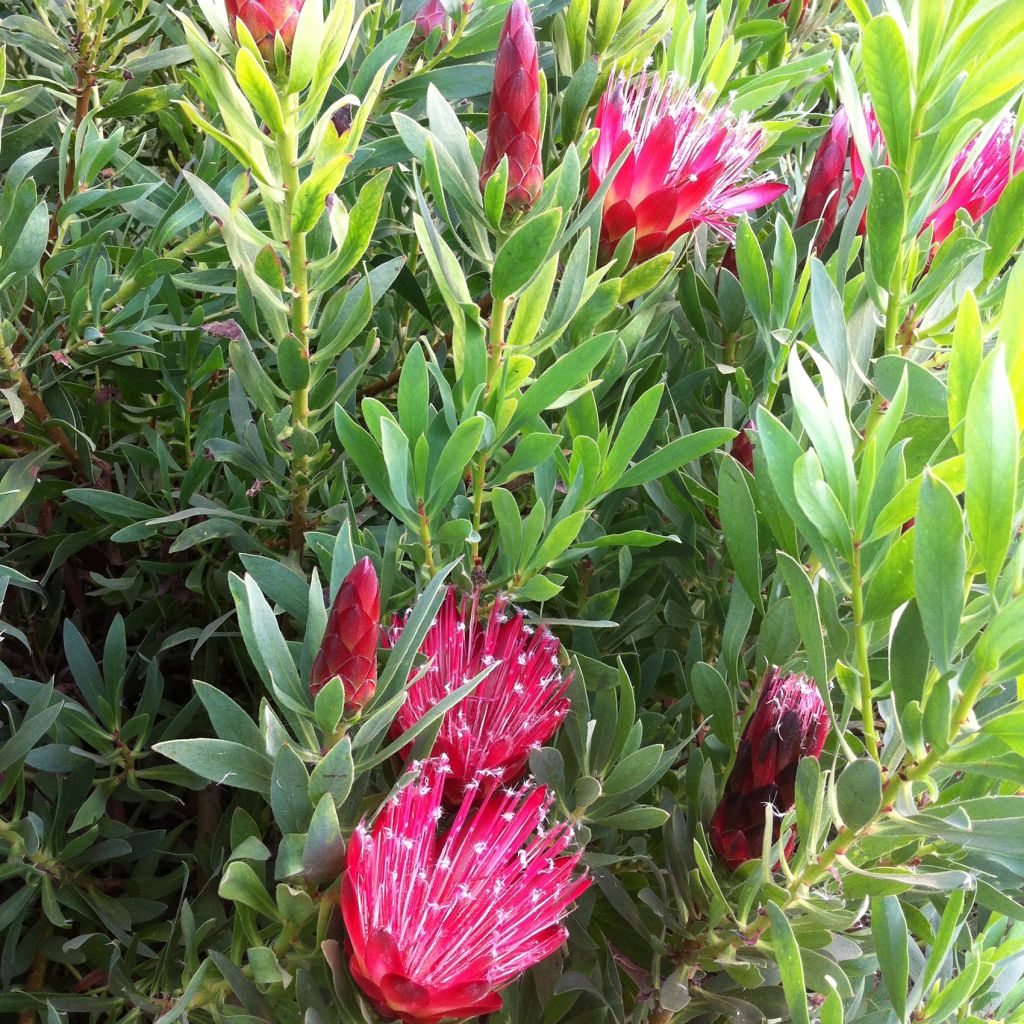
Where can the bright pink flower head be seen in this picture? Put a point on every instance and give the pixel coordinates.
(976, 180)
(513, 123)
(790, 722)
(825, 181)
(349, 647)
(265, 19)
(686, 166)
(516, 708)
(439, 921)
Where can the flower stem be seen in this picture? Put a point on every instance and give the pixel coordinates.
(288, 149)
(495, 349)
(867, 708)
(425, 537)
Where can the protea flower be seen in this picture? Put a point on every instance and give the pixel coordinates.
(790, 722)
(513, 124)
(686, 167)
(265, 19)
(518, 706)
(349, 648)
(825, 181)
(980, 172)
(430, 16)
(439, 921)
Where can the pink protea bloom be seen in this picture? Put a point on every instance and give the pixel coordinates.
(980, 172)
(265, 19)
(790, 722)
(686, 167)
(349, 647)
(438, 921)
(517, 707)
(513, 120)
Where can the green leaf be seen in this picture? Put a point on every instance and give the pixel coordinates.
(229, 721)
(885, 223)
(887, 70)
(259, 90)
(637, 819)
(808, 620)
(791, 969)
(16, 484)
(524, 253)
(940, 563)
(739, 521)
(240, 884)
(675, 454)
(964, 363)
(1006, 227)
(892, 943)
(714, 698)
(334, 774)
(990, 449)
(455, 457)
(221, 761)
(859, 793)
(293, 363)
(754, 275)
(323, 855)
(289, 791)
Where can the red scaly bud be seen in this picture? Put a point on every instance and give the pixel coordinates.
(513, 124)
(349, 648)
(790, 722)
(825, 181)
(265, 19)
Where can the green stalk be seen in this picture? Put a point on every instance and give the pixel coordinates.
(288, 150)
(867, 708)
(495, 349)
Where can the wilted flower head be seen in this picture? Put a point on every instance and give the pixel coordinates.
(349, 647)
(513, 123)
(686, 167)
(980, 172)
(784, 13)
(439, 921)
(518, 706)
(742, 449)
(265, 19)
(790, 722)
(825, 181)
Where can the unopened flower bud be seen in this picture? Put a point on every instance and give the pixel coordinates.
(266, 19)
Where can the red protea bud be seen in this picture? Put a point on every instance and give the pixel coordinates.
(430, 16)
(825, 181)
(265, 19)
(790, 722)
(743, 448)
(513, 124)
(349, 648)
